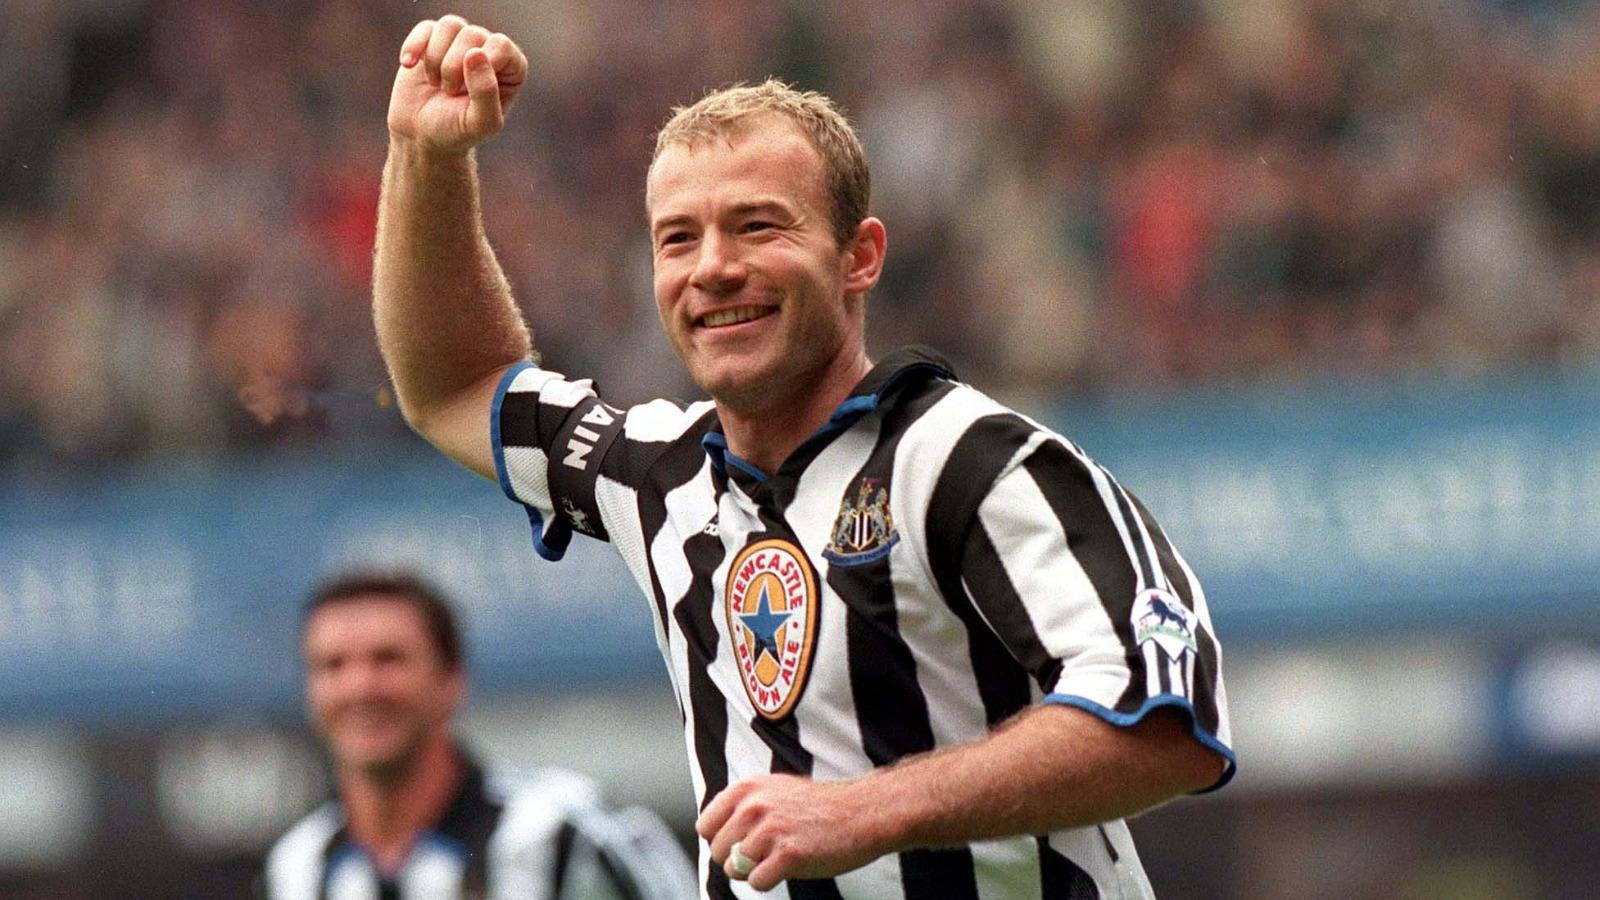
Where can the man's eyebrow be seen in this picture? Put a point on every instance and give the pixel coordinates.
(670, 221)
(761, 206)
(771, 207)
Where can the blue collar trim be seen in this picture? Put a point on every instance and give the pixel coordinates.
(715, 443)
(900, 367)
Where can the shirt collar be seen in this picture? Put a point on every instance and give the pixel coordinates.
(465, 815)
(896, 370)
(465, 823)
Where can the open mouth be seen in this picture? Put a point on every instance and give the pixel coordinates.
(734, 316)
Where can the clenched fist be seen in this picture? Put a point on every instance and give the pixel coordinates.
(455, 82)
(787, 826)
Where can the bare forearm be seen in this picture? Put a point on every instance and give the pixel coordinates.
(447, 325)
(1051, 769)
(444, 312)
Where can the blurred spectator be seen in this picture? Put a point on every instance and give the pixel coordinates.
(1080, 196)
(416, 815)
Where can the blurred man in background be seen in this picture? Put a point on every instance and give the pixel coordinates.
(417, 817)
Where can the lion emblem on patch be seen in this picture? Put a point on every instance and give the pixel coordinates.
(1160, 617)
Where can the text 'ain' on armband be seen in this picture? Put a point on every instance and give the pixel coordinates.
(583, 440)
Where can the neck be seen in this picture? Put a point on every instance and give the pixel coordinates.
(766, 434)
(386, 813)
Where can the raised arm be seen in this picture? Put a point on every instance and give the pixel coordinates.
(447, 325)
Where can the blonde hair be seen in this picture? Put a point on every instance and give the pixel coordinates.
(723, 111)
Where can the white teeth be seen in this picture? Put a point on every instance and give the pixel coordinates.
(734, 316)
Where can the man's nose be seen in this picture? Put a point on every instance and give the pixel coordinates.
(357, 680)
(719, 268)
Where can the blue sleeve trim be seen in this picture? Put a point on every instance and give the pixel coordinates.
(494, 427)
(1124, 720)
(549, 546)
(556, 548)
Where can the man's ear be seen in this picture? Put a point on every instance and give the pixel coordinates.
(864, 256)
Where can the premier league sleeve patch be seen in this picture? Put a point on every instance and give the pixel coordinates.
(1164, 630)
(771, 604)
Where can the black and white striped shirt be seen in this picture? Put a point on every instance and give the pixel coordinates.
(926, 565)
(541, 837)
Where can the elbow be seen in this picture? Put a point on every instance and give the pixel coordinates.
(412, 411)
(1190, 765)
(457, 423)
(425, 419)
(1199, 768)
(420, 413)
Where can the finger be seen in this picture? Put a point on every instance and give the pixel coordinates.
(742, 857)
(510, 65)
(451, 74)
(743, 825)
(721, 848)
(755, 845)
(444, 34)
(767, 873)
(719, 809)
(484, 113)
(416, 42)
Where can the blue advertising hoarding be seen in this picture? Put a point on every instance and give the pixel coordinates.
(178, 592)
(1449, 506)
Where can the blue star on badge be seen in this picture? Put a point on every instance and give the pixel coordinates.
(764, 624)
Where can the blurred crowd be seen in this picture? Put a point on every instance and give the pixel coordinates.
(1081, 197)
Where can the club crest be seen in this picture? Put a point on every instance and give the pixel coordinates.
(771, 604)
(1161, 617)
(864, 531)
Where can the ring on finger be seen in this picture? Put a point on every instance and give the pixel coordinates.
(742, 865)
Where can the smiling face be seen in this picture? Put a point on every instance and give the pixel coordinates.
(755, 291)
(378, 689)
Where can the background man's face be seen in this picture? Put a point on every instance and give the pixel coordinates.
(376, 686)
(748, 274)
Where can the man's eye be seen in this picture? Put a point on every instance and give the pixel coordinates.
(756, 226)
(676, 237)
(389, 656)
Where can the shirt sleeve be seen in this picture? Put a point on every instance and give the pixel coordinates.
(549, 436)
(1082, 586)
(625, 855)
